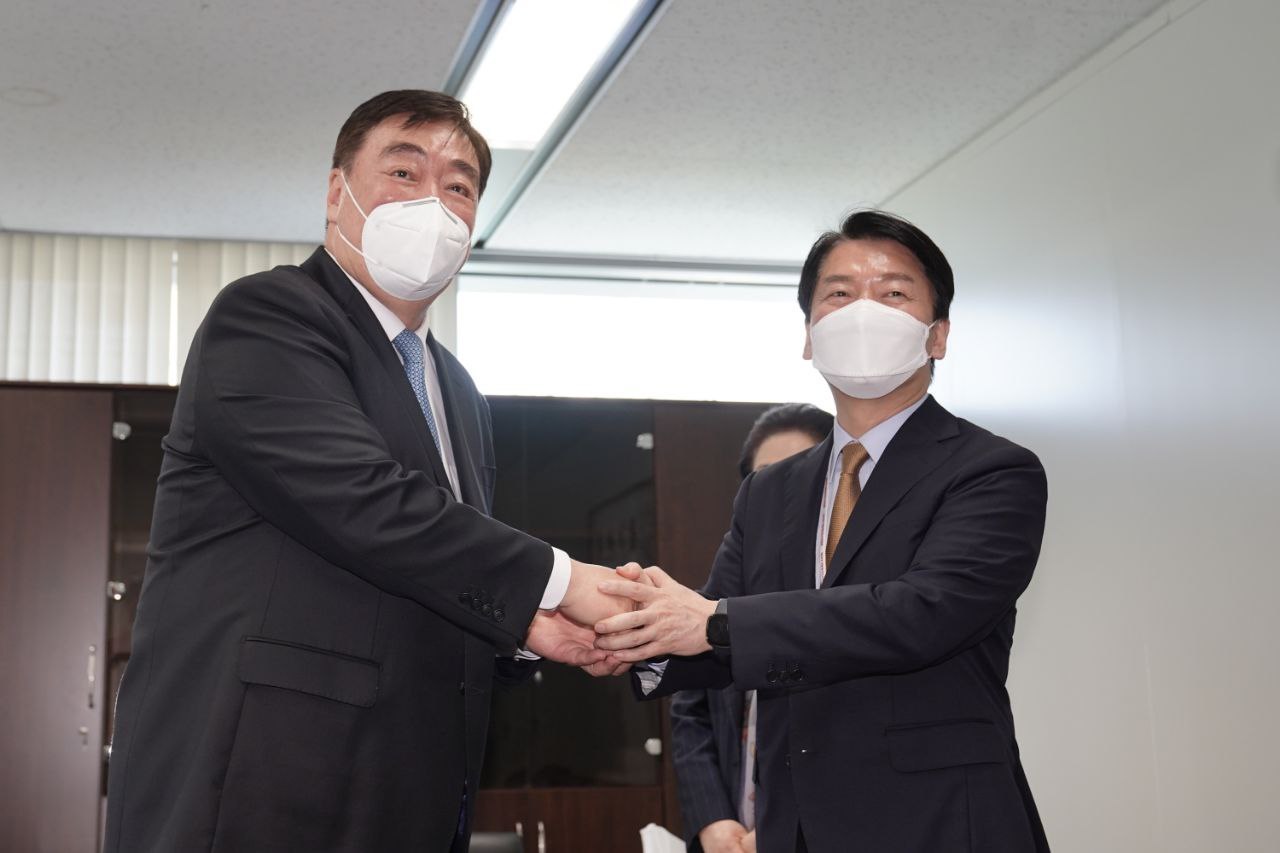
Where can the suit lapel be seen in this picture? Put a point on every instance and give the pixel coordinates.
(322, 268)
(919, 446)
(802, 502)
(462, 429)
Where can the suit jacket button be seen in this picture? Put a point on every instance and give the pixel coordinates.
(784, 676)
(499, 614)
(486, 609)
(771, 676)
(797, 674)
(465, 598)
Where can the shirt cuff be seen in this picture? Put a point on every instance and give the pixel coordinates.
(557, 586)
(651, 675)
(558, 583)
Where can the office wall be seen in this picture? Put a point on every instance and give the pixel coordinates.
(1117, 248)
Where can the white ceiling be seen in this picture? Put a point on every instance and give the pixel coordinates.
(198, 118)
(736, 130)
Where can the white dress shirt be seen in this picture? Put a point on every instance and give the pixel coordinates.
(558, 583)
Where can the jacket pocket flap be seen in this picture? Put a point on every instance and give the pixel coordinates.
(308, 670)
(945, 744)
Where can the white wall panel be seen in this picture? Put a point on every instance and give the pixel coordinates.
(1116, 248)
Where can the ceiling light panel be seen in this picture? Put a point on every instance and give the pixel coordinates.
(535, 61)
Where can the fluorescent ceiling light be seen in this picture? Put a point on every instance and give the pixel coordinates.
(534, 62)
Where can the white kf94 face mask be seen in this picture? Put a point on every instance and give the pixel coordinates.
(867, 349)
(413, 249)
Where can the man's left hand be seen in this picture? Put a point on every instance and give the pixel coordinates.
(554, 636)
(671, 619)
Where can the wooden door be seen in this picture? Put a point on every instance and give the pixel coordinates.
(55, 453)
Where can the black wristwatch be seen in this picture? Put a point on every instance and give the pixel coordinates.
(718, 627)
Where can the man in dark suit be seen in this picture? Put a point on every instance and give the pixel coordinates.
(713, 732)
(867, 588)
(327, 603)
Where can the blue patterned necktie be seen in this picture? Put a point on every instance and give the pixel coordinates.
(409, 345)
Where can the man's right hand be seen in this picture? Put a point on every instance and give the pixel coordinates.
(583, 602)
(725, 836)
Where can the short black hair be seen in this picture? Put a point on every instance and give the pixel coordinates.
(878, 225)
(418, 106)
(789, 417)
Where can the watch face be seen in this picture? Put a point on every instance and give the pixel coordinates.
(718, 629)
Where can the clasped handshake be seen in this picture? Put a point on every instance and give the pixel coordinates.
(609, 620)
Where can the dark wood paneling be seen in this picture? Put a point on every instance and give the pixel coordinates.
(505, 810)
(55, 447)
(695, 473)
(576, 820)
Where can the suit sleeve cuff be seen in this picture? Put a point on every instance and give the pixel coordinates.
(558, 583)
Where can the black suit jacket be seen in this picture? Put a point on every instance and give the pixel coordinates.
(706, 749)
(884, 723)
(317, 635)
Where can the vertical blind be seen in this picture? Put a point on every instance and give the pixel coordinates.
(77, 308)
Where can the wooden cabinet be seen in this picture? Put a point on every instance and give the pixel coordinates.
(75, 508)
(573, 760)
(610, 481)
(55, 448)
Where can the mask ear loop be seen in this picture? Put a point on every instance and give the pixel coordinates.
(928, 330)
(347, 187)
(338, 227)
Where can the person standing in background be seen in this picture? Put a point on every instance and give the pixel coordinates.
(713, 732)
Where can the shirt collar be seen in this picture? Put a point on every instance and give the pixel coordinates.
(390, 323)
(877, 438)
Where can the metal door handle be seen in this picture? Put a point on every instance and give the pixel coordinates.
(92, 672)
(542, 838)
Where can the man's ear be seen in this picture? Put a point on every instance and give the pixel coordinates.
(333, 198)
(808, 343)
(937, 344)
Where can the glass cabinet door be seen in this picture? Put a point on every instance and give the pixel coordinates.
(579, 475)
